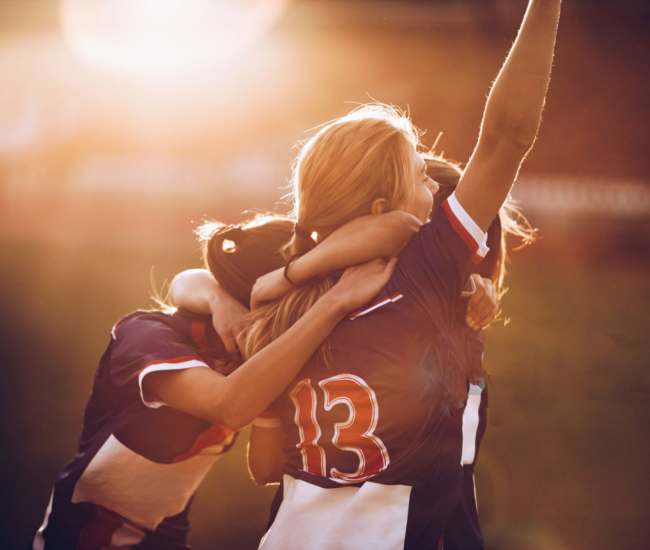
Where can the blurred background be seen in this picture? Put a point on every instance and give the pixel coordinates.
(124, 124)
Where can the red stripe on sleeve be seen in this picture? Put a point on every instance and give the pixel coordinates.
(460, 228)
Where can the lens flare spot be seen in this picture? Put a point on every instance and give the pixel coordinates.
(164, 38)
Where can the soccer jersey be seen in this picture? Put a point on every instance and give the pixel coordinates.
(374, 448)
(139, 461)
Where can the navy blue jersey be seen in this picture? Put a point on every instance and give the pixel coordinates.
(139, 461)
(375, 447)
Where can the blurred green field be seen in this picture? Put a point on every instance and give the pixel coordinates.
(563, 464)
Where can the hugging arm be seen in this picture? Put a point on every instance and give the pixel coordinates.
(512, 115)
(196, 290)
(358, 241)
(361, 240)
(237, 399)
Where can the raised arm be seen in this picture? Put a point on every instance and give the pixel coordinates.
(240, 397)
(512, 115)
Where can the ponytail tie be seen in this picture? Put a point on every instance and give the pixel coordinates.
(301, 232)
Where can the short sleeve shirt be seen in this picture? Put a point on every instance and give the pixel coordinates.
(374, 416)
(139, 461)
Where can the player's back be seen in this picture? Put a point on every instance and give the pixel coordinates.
(373, 456)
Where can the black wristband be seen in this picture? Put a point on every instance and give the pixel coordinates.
(286, 269)
(300, 232)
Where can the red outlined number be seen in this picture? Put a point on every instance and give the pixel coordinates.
(313, 455)
(356, 434)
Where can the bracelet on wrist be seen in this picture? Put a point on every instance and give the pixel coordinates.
(286, 269)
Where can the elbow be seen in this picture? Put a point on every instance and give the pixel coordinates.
(523, 138)
(232, 420)
(223, 412)
(402, 226)
(514, 141)
(175, 287)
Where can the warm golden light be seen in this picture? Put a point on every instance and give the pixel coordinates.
(166, 38)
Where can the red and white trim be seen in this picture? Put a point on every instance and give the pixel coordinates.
(466, 227)
(374, 306)
(177, 363)
(113, 335)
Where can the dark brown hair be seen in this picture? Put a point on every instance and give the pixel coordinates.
(237, 255)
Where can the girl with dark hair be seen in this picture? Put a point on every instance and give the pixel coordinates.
(162, 409)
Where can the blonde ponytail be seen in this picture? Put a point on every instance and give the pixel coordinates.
(337, 175)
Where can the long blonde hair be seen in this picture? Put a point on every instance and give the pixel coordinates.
(337, 175)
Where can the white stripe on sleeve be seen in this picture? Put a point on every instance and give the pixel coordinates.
(469, 224)
(155, 403)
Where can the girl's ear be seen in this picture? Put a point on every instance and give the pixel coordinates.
(379, 206)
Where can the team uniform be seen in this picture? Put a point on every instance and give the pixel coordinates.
(375, 456)
(139, 461)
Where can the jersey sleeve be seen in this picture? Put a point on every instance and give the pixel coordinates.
(142, 346)
(433, 269)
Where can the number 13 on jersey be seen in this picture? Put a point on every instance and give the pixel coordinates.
(355, 435)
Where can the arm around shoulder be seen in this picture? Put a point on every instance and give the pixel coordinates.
(361, 240)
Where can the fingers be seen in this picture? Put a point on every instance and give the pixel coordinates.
(483, 306)
(483, 315)
(361, 283)
(231, 334)
(269, 287)
(479, 292)
(230, 343)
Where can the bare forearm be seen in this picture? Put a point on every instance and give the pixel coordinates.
(362, 240)
(235, 400)
(251, 389)
(515, 104)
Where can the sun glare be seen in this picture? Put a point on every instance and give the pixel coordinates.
(165, 38)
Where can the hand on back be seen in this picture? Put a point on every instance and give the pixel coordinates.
(483, 305)
(361, 283)
(229, 320)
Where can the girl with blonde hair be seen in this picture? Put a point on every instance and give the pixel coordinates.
(375, 445)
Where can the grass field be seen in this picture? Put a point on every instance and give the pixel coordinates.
(563, 464)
